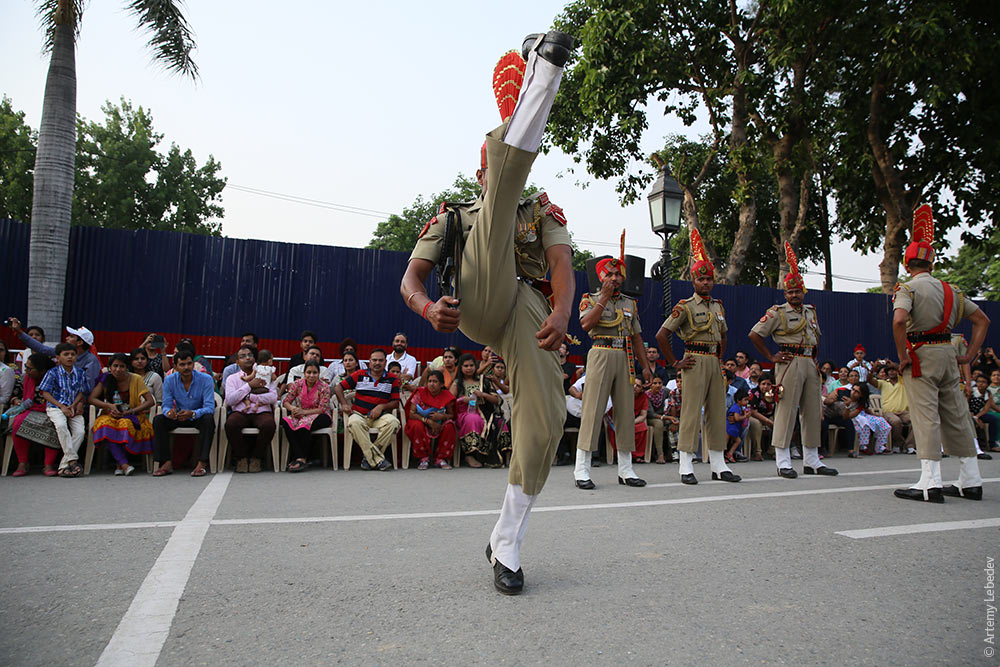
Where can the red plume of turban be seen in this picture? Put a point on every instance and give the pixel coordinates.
(923, 236)
(702, 266)
(608, 263)
(794, 279)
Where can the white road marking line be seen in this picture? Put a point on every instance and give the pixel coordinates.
(775, 478)
(919, 528)
(143, 630)
(87, 526)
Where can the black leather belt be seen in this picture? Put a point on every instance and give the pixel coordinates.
(924, 337)
(701, 348)
(797, 350)
(609, 342)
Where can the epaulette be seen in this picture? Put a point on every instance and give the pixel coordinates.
(546, 206)
(809, 306)
(427, 226)
(717, 300)
(683, 301)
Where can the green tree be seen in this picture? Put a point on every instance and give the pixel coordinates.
(52, 200)
(975, 268)
(17, 160)
(122, 181)
(400, 232)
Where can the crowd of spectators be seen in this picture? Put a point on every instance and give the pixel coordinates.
(454, 402)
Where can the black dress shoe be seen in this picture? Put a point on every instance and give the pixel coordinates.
(689, 478)
(505, 580)
(933, 495)
(632, 481)
(787, 473)
(822, 470)
(970, 492)
(555, 47)
(726, 476)
(984, 456)
(585, 484)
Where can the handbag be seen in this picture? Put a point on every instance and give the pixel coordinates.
(37, 427)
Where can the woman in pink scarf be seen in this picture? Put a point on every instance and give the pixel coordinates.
(308, 404)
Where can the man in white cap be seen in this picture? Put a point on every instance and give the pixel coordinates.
(81, 338)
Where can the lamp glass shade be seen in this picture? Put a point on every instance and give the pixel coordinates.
(665, 199)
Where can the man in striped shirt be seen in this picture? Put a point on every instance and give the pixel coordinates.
(377, 395)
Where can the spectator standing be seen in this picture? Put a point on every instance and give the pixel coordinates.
(306, 340)
(154, 346)
(653, 357)
(987, 362)
(123, 425)
(859, 363)
(185, 345)
(570, 372)
(140, 366)
(248, 338)
(249, 410)
(308, 405)
(376, 396)
(742, 365)
(347, 346)
(32, 406)
(754, 378)
(447, 363)
(81, 339)
(407, 362)
(189, 402)
(38, 334)
(65, 388)
(295, 373)
(431, 418)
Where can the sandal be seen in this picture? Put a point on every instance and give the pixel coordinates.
(50, 471)
(22, 470)
(163, 472)
(298, 465)
(424, 464)
(72, 470)
(444, 465)
(199, 470)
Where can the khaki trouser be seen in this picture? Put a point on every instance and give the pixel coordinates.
(754, 436)
(656, 428)
(607, 375)
(500, 311)
(801, 395)
(939, 412)
(70, 432)
(387, 425)
(897, 420)
(705, 386)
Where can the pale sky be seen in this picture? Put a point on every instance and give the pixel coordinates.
(360, 105)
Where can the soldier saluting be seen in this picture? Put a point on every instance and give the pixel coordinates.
(925, 311)
(795, 328)
(701, 323)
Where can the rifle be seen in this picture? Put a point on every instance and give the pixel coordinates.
(449, 265)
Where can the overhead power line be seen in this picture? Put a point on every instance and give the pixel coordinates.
(319, 203)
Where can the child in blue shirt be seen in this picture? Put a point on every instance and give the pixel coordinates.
(736, 421)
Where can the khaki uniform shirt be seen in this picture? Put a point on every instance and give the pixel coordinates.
(923, 298)
(789, 325)
(540, 225)
(620, 316)
(697, 320)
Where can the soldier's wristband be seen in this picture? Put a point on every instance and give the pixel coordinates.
(423, 313)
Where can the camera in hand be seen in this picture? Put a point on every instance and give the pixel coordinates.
(7, 322)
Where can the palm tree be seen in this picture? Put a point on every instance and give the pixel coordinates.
(52, 203)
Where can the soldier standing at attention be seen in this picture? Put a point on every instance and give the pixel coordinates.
(795, 329)
(509, 247)
(925, 311)
(701, 323)
(612, 320)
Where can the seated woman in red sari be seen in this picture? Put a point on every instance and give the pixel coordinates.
(123, 425)
(430, 417)
(31, 402)
(308, 405)
(640, 410)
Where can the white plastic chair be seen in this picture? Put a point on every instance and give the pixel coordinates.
(329, 432)
(250, 430)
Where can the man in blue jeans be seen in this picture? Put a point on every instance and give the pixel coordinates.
(188, 401)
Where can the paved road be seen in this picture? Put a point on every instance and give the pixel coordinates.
(387, 568)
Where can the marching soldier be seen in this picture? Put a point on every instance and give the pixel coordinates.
(509, 247)
(795, 329)
(701, 323)
(925, 311)
(612, 320)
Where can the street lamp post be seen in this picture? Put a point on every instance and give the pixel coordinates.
(665, 201)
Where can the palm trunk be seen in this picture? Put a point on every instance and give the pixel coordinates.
(52, 202)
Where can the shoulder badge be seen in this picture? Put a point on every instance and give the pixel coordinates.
(586, 302)
(427, 226)
(548, 208)
(676, 312)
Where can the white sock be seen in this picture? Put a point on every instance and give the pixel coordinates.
(717, 458)
(968, 472)
(811, 457)
(511, 526)
(783, 457)
(930, 475)
(625, 470)
(582, 470)
(527, 123)
(685, 462)
(975, 441)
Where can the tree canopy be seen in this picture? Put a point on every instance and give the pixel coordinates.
(123, 180)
